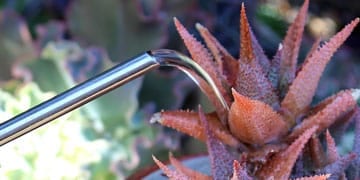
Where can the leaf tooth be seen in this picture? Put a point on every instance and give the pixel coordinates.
(280, 166)
(316, 177)
(339, 105)
(227, 63)
(189, 123)
(303, 88)
(291, 44)
(312, 50)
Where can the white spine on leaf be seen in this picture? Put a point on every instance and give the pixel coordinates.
(356, 94)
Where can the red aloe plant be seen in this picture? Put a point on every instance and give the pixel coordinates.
(270, 121)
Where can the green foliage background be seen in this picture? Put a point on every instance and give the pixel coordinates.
(47, 47)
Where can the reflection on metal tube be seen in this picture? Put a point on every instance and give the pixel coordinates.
(100, 85)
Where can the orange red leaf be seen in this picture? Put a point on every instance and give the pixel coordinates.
(192, 174)
(342, 103)
(303, 88)
(255, 122)
(316, 177)
(188, 122)
(291, 48)
(172, 174)
(202, 56)
(240, 172)
(331, 153)
(280, 166)
(228, 64)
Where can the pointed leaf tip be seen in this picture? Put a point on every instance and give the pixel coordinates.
(172, 174)
(192, 174)
(246, 50)
(303, 88)
(227, 64)
(332, 154)
(280, 166)
(335, 107)
(289, 55)
(203, 57)
(253, 121)
(188, 122)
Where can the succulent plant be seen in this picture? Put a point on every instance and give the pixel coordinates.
(271, 130)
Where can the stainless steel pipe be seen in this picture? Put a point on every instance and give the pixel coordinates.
(97, 86)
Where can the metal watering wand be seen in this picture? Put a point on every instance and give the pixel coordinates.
(100, 85)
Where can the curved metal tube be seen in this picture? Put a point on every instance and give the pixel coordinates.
(97, 86)
(168, 57)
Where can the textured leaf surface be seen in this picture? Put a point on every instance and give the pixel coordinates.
(189, 123)
(201, 55)
(228, 64)
(260, 56)
(240, 172)
(255, 122)
(291, 48)
(332, 154)
(221, 159)
(342, 103)
(172, 174)
(337, 168)
(316, 177)
(273, 73)
(303, 87)
(280, 166)
(251, 80)
(316, 152)
(247, 55)
(356, 147)
(187, 171)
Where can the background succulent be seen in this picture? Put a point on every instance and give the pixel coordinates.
(48, 46)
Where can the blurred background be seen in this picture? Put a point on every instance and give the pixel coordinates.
(48, 46)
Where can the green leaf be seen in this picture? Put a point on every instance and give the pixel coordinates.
(114, 25)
